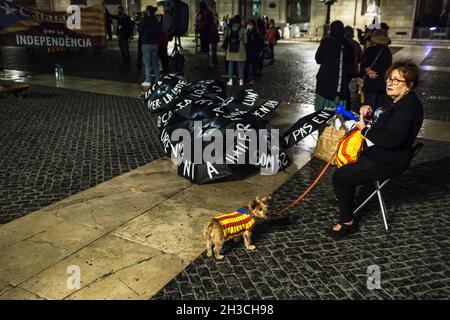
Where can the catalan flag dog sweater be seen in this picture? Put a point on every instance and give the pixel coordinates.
(235, 223)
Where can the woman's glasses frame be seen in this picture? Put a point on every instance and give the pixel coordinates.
(394, 81)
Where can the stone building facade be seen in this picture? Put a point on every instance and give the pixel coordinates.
(309, 15)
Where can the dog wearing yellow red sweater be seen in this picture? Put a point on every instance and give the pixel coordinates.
(233, 225)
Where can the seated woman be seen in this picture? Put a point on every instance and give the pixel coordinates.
(392, 135)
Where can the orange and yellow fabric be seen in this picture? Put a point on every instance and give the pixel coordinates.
(349, 148)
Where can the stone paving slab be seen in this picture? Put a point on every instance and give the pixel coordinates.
(97, 261)
(295, 259)
(54, 234)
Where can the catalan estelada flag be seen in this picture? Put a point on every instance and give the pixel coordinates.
(235, 223)
(29, 27)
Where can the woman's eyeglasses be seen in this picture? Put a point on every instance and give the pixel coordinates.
(394, 81)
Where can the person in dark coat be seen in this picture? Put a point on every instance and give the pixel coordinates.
(354, 69)
(214, 40)
(163, 55)
(254, 47)
(108, 23)
(204, 24)
(388, 145)
(335, 56)
(124, 32)
(263, 32)
(375, 61)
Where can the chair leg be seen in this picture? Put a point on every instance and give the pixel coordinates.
(382, 206)
(362, 205)
(377, 187)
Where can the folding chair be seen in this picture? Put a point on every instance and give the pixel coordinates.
(378, 186)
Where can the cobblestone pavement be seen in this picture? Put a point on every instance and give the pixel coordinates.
(437, 57)
(295, 259)
(58, 142)
(435, 95)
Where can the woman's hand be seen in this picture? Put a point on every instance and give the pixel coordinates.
(365, 111)
(360, 124)
(371, 73)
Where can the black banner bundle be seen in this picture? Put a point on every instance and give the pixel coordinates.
(305, 126)
(211, 135)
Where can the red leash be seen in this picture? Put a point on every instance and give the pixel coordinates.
(310, 187)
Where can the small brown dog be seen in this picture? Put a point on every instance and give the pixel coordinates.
(232, 225)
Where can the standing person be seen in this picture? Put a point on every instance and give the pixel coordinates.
(375, 61)
(261, 25)
(354, 69)
(204, 24)
(133, 25)
(139, 49)
(272, 36)
(214, 40)
(224, 45)
(124, 31)
(163, 42)
(108, 22)
(335, 57)
(266, 22)
(236, 55)
(149, 31)
(254, 47)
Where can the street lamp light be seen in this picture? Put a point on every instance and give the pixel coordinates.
(328, 3)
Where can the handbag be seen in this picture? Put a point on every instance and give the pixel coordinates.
(327, 143)
(349, 148)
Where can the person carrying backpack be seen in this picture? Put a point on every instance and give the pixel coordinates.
(237, 39)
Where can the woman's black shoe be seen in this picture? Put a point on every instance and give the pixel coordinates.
(345, 231)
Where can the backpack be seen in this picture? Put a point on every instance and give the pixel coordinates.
(234, 40)
(175, 19)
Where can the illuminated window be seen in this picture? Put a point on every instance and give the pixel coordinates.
(298, 11)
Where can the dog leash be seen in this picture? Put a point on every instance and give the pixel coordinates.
(310, 187)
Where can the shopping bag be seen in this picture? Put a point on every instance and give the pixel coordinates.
(327, 143)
